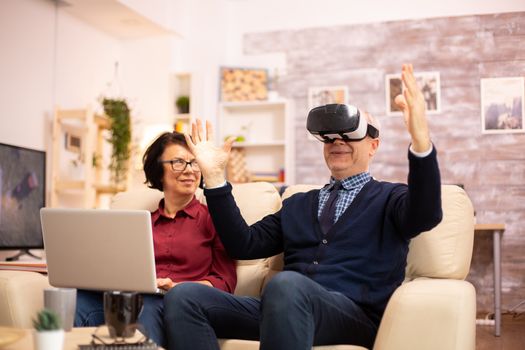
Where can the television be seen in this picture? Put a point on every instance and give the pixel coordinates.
(23, 193)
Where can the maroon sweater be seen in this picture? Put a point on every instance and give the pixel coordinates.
(187, 247)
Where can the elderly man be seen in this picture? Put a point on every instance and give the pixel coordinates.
(345, 246)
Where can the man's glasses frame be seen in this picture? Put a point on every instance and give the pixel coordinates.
(179, 165)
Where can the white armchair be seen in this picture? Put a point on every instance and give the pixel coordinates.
(435, 308)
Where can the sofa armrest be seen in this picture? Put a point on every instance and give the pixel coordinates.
(429, 314)
(21, 296)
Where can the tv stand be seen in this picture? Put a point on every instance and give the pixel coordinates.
(22, 252)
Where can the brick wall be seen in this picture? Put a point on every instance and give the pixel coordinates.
(463, 50)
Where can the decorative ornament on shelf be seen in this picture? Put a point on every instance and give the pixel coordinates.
(236, 171)
(273, 93)
(48, 334)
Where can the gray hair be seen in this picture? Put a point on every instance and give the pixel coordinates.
(372, 121)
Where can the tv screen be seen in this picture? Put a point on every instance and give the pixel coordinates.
(22, 187)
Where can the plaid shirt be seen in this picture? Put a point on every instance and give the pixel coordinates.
(351, 187)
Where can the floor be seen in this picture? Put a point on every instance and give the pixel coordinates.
(512, 335)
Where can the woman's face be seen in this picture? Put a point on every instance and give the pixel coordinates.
(182, 182)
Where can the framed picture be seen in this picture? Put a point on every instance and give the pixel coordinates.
(393, 87)
(243, 84)
(72, 140)
(502, 109)
(429, 83)
(318, 96)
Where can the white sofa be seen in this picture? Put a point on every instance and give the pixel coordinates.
(434, 309)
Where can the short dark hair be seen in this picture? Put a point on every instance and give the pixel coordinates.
(153, 170)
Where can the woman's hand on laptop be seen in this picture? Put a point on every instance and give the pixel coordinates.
(165, 283)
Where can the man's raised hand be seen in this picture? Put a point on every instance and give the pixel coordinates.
(412, 103)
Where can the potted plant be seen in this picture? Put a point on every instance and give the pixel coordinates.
(49, 334)
(119, 114)
(183, 104)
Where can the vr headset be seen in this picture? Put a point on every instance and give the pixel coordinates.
(339, 121)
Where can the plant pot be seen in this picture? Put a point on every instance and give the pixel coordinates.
(49, 340)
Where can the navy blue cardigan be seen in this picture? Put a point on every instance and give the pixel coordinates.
(363, 256)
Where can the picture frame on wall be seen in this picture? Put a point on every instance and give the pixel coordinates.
(72, 140)
(323, 95)
(429, 83)
(243, 84)
(319, 96)
(502, 109)
(393, 87)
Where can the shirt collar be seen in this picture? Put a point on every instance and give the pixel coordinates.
(352, 182)
(190, 210)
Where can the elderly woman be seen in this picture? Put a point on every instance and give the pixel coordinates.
(187, 248)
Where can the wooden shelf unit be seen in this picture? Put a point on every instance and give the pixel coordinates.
(89, 128)
(268, 144)
(181, 86)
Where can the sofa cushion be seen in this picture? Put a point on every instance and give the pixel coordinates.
(255, 199)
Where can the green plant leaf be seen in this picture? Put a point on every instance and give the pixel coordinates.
(120, 139)
(46, 320)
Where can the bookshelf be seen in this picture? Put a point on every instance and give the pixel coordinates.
(181, 87)
(81, 132)
(265, 135)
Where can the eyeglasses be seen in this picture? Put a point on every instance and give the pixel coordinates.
(178, 164)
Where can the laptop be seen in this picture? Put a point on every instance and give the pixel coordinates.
(99, 249)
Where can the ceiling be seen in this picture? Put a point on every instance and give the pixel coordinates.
(113, 18)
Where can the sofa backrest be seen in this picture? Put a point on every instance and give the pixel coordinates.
(255, 200)
(443, 252)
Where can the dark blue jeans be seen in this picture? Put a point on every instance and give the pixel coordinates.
(90, 313)
(293, 313)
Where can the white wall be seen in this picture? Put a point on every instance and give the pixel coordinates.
(216, 28)
(49, 58)
(26, 71)
(264, 15)
(85, 62)
(35, 76)
(145, 78)
(201, 51)
(269, 15)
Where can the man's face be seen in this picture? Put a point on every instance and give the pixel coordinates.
(349, 158)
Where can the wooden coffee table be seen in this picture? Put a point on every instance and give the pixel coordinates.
(74, 338)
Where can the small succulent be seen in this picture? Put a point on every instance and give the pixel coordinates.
(47, 320)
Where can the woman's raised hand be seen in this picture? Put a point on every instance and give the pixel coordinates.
(212, 159)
